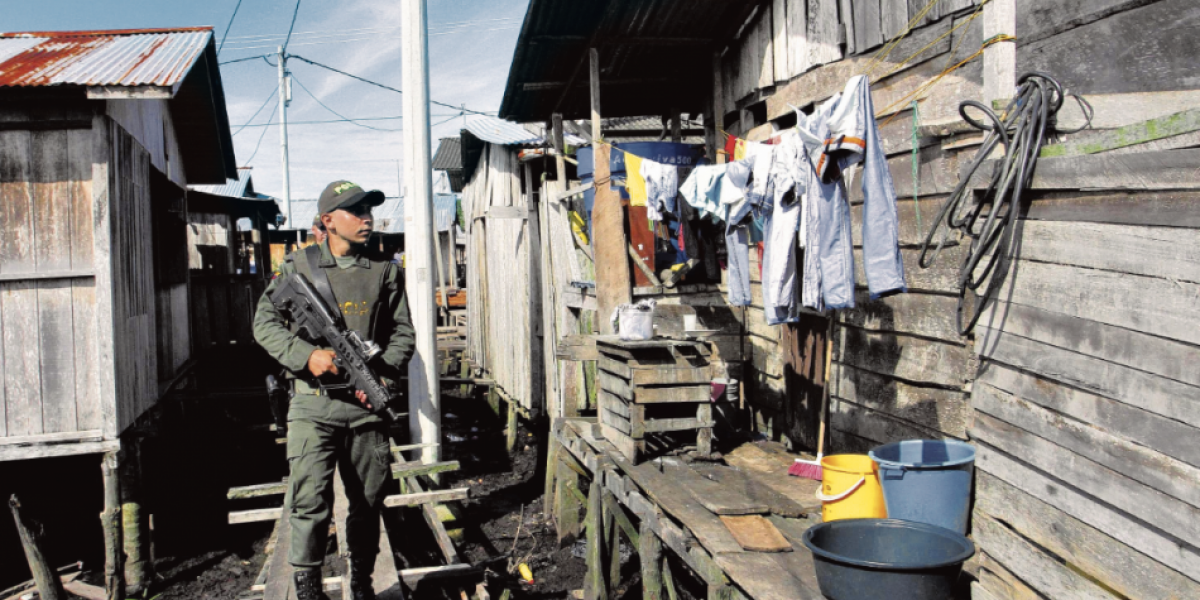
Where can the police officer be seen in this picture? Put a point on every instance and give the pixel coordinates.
(328, 428)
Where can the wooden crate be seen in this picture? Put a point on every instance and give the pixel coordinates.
(655, 386)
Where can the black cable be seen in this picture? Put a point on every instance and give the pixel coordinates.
(1026, 125)
(251, 119)
(326, 107)
(386, 87)
(291, 27)
(238, 60)
(228, 27)
(453, 117)
(260, 137)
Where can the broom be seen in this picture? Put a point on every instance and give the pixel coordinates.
(811, 469)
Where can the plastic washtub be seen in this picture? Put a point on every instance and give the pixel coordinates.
(886, 559)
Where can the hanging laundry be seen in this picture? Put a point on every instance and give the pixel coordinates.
(737, 238)
(662, 185)
(789, 181)
(702, 190)
(841, 133)
(635, 184)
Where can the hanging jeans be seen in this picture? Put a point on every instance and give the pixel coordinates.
(737, 238)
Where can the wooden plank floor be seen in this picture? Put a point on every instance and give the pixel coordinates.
(652, 491)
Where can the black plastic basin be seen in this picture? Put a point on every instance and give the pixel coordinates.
(864, 559)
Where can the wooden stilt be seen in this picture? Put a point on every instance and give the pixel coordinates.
(594, 584)
(110, 520)
(510, 432)
(669, 579)
(650, 552)
(613, 544)
(493, 399)
(567, 505)
(552, 450)
(134, 522)
(48, 584)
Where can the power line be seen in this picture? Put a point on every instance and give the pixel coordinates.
(326, 107)
(346, 120)
(366, 37)
(264, 105)
(238, 60)
(345, 37)
(386, 87)
(292, 26)
(261, 38)
(229, 26)
(264, 134)
(451, 118)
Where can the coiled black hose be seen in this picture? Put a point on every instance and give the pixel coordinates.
(1028, 121)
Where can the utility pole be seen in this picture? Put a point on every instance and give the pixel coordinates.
(285, 97)
(424, 393)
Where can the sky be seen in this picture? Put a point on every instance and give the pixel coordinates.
(470, 48)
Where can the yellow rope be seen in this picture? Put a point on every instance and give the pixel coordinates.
(932, 82)
(887, 48)
(900, 65)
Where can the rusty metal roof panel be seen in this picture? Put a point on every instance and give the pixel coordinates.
(100, 58)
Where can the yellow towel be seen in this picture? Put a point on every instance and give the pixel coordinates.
(635, 184)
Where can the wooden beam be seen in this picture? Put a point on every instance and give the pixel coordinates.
(110, 520)
(594, 77)
(575, 191)
(409, 470)
(257, 491)
(413, 576)
(48, 125)
(255, 515)
(534, 86)
(417, 498)
(594, 584)
(610, 243)
(136, 92)
(48, 584)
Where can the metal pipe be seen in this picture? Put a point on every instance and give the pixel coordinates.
(284, 98)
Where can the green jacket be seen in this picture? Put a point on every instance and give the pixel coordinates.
(372, 302)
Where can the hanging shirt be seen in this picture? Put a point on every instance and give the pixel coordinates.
(702, 191)
(789, 183)
(635, 184)
(662, 185)
(854, 139)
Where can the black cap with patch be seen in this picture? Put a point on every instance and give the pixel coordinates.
(343, 194)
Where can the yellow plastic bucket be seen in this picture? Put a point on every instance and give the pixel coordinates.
(850, 488)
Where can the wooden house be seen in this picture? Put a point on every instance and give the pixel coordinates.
(100, 134)
(229, 265)
(1076, 387)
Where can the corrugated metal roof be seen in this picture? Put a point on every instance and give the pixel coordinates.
(499, 131)
(655, 56)
(242, 187)
(159, 57)
(389, 216)
(449, 155)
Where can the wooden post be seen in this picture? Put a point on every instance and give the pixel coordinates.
(493, 399)
(134, 523)
(613, 538)
(594, 584)
(676, 125)
(552, 450)
(48, 584)
(669, 579)
(718, 108)
(650, 552)
(110, 519)
(510, 431)
(610, 244)
(999, 58)
(567, 505)
(594, 72)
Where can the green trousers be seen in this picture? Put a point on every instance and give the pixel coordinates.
(362, 454)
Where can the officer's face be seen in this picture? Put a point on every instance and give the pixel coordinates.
(353, 224)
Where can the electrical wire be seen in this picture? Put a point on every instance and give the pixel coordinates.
(228, 27)
(386, 87)
(295, 13)
(448, 119)
(1027, 123)
(264, 105)
(308, 36)
(260, 137)
(238, 60)
(326, 107)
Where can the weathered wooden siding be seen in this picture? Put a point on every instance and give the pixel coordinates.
(900, 369)
(150, 123)
(133, 294)
(1087, 409)
(211, 243)
(48, 352)
(504, 303)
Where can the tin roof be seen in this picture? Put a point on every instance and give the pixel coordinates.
(655, 56)
(151, 57)
(449, 155)
(499, 131)
(242, 187)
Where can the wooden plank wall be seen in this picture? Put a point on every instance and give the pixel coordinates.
(133, 302)
(210, 242)
(150, 123)
(900, 368)
(1087, 408)
(48, 335)
(504, 305)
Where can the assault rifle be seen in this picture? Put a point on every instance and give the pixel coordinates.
(296, 297)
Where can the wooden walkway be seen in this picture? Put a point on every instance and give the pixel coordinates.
(738, 527)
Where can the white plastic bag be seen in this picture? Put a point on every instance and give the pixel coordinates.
(634, 322)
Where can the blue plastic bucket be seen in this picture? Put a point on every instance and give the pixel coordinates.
(927, 481)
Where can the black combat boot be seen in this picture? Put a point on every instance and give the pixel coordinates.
(309, 585)
(360, 578)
